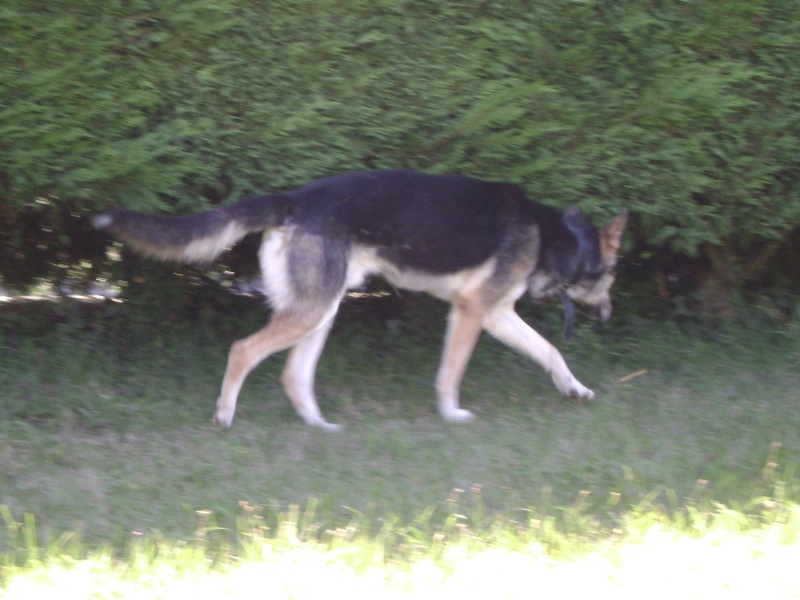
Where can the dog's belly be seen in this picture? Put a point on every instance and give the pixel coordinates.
(365, 262)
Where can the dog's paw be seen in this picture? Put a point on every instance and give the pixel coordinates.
(571, 387)
(221, 423)
(581, 392)
(223, 418)
(458, 415)
(313, 418)
(325, 426)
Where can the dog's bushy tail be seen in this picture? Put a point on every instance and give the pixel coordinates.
(194, 238)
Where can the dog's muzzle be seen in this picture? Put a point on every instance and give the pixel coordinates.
(600, 311)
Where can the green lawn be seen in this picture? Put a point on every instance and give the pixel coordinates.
(106, 437)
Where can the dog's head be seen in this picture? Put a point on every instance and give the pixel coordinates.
(578, 264)
(591, 275)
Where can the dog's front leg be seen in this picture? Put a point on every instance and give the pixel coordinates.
(463, 328)
(508, 327)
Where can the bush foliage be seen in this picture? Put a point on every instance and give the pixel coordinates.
(686, 112)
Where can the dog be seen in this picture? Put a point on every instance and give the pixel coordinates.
(478, 245)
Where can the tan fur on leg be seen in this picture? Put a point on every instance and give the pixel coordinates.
(285, 329)
(463, 329)
(508, 327)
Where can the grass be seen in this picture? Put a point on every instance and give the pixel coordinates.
(106, 436)
(726, 559)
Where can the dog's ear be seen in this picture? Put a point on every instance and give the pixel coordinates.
(611, 237)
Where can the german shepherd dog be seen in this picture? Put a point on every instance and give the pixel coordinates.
(476, 244)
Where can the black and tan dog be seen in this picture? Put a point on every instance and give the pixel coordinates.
(476, 244)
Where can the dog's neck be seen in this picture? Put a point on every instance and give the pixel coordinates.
(557, 274)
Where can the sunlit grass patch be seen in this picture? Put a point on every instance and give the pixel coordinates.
(719, 554)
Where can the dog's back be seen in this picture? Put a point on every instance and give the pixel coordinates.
(431, 223)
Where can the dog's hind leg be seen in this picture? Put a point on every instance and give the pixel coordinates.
(285, 329)
(463, 329)
(298, 376)
(508, 327)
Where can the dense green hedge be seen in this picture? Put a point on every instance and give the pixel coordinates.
(685, 112)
